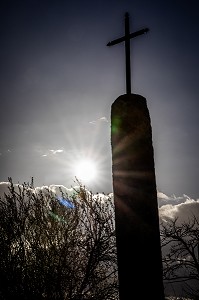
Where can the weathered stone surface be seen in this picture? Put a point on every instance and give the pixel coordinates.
(135, 196)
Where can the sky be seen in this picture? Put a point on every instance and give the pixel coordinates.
(58, 80)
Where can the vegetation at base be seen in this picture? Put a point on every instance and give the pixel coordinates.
(50, 251)
(180, 248)
(64, 247)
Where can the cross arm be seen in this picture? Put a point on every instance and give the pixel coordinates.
(131, 35)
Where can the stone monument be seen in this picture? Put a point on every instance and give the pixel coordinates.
(135, 194)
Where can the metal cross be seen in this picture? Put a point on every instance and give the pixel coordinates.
(126, 38)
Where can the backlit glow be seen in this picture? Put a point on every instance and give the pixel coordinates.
(86, 170)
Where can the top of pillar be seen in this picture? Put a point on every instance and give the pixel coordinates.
(130, 98)
(124, 104)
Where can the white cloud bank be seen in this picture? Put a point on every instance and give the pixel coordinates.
(54, 189)
(182, 207)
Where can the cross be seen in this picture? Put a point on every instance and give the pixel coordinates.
(126, 38)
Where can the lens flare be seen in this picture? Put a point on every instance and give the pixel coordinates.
(66, 202)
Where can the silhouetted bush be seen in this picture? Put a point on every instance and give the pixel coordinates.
(57, 247)
(64, 246)
(180, 245)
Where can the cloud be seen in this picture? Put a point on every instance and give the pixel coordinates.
(56, 151)
(100, 120)
(181, 207)
(183, 211)
(57, 191)
(4, 188)
(173, 199)
(170, 207)
(162, 196)
(43, 151)
(5, 152)
(52, 152)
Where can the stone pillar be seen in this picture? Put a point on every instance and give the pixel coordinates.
(135, 197)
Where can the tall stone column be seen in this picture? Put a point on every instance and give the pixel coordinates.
(135, 197)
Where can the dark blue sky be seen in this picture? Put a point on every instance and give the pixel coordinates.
(57, 76)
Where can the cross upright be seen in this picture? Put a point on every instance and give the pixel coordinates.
(126, 38)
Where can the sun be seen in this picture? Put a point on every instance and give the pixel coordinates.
(86, 170)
